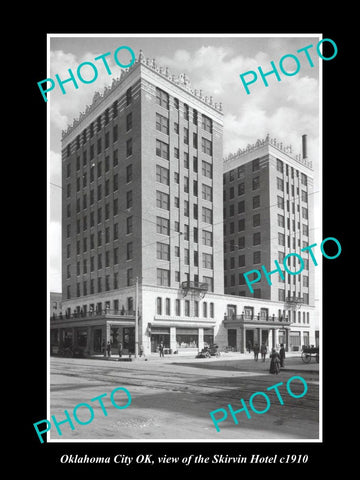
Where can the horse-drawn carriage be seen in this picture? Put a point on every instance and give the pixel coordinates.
(207, 352)
(308, 352)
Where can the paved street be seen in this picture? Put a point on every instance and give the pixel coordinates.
(171, 398)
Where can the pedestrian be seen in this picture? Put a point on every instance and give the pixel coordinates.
(274, 362)
(282, 354)
(120, 349)
(161, 349)
(141, 350)
(249, 346)
(108, 349)
(256, 352)
(263, 351)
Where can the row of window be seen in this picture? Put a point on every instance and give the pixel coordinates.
(163, 253)
(230, 280)
(163, 99)
(163, 149)
(163, 278)
(163, 174)
(258, 294)
(99, 167)
(239, 172)
(256, 240)
(102, 143)
(163, 307)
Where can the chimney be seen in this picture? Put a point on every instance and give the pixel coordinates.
(304, 146)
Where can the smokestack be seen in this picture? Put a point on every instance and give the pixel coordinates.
(304, 146)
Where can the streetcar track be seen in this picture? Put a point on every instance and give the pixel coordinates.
(219, 391)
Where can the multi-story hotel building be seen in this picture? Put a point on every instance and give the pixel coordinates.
(142, 203)
(142, 223)
(267, 215)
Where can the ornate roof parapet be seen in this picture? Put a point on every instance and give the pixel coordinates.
(287, 149)
(181, 80)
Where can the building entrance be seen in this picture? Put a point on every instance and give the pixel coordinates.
(232, 338)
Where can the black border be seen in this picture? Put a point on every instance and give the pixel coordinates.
(335, 147)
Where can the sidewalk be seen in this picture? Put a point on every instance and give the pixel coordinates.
(226, 361)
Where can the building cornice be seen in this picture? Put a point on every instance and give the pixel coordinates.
(101, 100)
(269, 143)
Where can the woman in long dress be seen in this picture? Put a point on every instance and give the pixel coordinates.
(274, 362)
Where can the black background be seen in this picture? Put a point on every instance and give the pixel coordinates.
(30, 384)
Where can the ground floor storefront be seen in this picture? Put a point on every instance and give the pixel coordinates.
(92, 336)
(245, 337)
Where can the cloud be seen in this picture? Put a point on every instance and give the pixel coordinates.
(285, 109)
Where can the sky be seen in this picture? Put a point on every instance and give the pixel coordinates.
(285, 109)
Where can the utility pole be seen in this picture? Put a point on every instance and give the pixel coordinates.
(136, 318)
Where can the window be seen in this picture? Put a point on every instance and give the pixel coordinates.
(162, 124)
(129, 146)
(279, 166)
(257, 257)
(186, 208)
(303, 179)
(186, 232)
(241, 225)
(162, 225)
(207, 215)
(163, 277)
(162, 98)
(206, 192)
(186, 256)
(162, 175)
(280, 183)
(241, 206)
(207, 260)
(206, 169)
(177, 307)
(256, 164)
(162, 200)
(162, 149)
(167, 306)
(186, 136)
(129, 225)
(256, 183)
(186, 184)
(162, 251)
(129, 199)
(116, 255)
(304, 196)
(210, 283)
(195, 140)
(257, 238)
(187, 308)
(129, 277)
(304, 213)
(281, 221)
(281, 239)
(206, 124)
(206, 146)
(186, 111)
(207, 238)
(256, 220)
(128, 96)
(176, 128)
(186, 160)
(116, 231)
(129, 251)
(280, 202)
(281, 295)
(115, 158)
